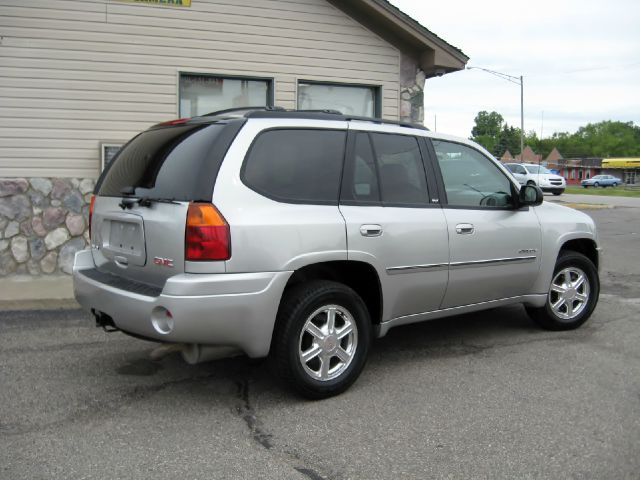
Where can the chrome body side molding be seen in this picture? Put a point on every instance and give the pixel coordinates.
(440, 266)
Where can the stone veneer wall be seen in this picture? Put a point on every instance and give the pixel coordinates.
(43, 223)
(411, 91)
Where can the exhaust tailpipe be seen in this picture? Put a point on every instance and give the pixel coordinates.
(194, 353)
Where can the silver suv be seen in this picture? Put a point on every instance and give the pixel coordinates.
(303, 235)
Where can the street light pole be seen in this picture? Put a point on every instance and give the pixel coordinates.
(517, 81)
(521, 119)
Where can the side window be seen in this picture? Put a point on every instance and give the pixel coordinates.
(400, 169)
(296, 165)
(361, 176)
(470, 178)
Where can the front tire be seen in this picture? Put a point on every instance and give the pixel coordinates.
(596, 185)
(531, 182)
(573, 293)
(322, 338)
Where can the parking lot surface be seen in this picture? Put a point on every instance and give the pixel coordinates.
(485, 395)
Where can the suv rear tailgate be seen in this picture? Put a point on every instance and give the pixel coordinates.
(140, 211)
(141, 243)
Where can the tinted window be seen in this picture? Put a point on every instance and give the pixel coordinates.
(163, 163)
(470, 178)
(296, 165)
(401, 172)
(361, 177)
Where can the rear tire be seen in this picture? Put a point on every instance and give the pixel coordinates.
(321, 340)
(573, 293)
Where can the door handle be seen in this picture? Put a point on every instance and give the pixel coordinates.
(370, 230)
(120, 261)
(465, 229)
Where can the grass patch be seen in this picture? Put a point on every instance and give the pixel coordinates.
(608, 191)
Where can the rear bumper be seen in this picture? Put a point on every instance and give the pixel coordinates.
(236, 310)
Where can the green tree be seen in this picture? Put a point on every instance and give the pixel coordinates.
(603, 139)
(508, 139)
(487, 129)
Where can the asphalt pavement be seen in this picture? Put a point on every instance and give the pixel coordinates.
(485, 395)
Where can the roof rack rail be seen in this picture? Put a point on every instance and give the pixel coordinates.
(326, 110)
(268, 108)
(386, 122)
(326, 115)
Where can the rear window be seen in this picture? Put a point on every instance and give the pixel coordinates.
(165, 163)
(296, 165)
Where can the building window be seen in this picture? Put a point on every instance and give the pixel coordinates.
(201, 94)
(358, 100)
(580, 174)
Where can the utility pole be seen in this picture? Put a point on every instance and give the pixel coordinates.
(517, 81)
(521, 119)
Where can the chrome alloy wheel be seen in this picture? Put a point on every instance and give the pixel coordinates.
(569, 293)
(328, 342)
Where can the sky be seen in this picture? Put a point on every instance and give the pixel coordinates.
(580, 61)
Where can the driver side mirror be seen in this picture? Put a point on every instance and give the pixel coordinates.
(530, 195)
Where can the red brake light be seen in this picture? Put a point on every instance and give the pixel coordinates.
(91, 204)
(207, 235)
(177, 121)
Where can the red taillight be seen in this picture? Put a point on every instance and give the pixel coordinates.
(91, 204)
(207, 234)
(177, 121)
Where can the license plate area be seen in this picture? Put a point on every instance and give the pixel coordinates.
(125, 237)
(123, 240)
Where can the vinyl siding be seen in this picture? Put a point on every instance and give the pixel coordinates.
(77, 73)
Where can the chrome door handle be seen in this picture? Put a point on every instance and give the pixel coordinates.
(370, 230)
(120, 261)
(465, 229)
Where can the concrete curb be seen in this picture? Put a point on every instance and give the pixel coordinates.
(23, 292)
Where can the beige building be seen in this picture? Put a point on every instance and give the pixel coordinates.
(79, 78)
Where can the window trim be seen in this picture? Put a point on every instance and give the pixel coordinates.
(288, 200)
(444, 200)
(376, 87)
(270, 85)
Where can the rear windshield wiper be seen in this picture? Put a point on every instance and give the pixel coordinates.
(129, 202)
(147, 201)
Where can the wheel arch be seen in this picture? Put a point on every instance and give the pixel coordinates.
(360, 276)
(585, 246)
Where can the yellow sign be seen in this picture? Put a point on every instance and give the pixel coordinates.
(164, 3)
(621, 163)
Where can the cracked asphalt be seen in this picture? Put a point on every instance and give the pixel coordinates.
(484, 395)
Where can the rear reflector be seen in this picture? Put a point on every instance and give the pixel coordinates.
(91, 203)
(207, 236)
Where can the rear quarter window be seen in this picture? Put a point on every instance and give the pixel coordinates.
(296, 165)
